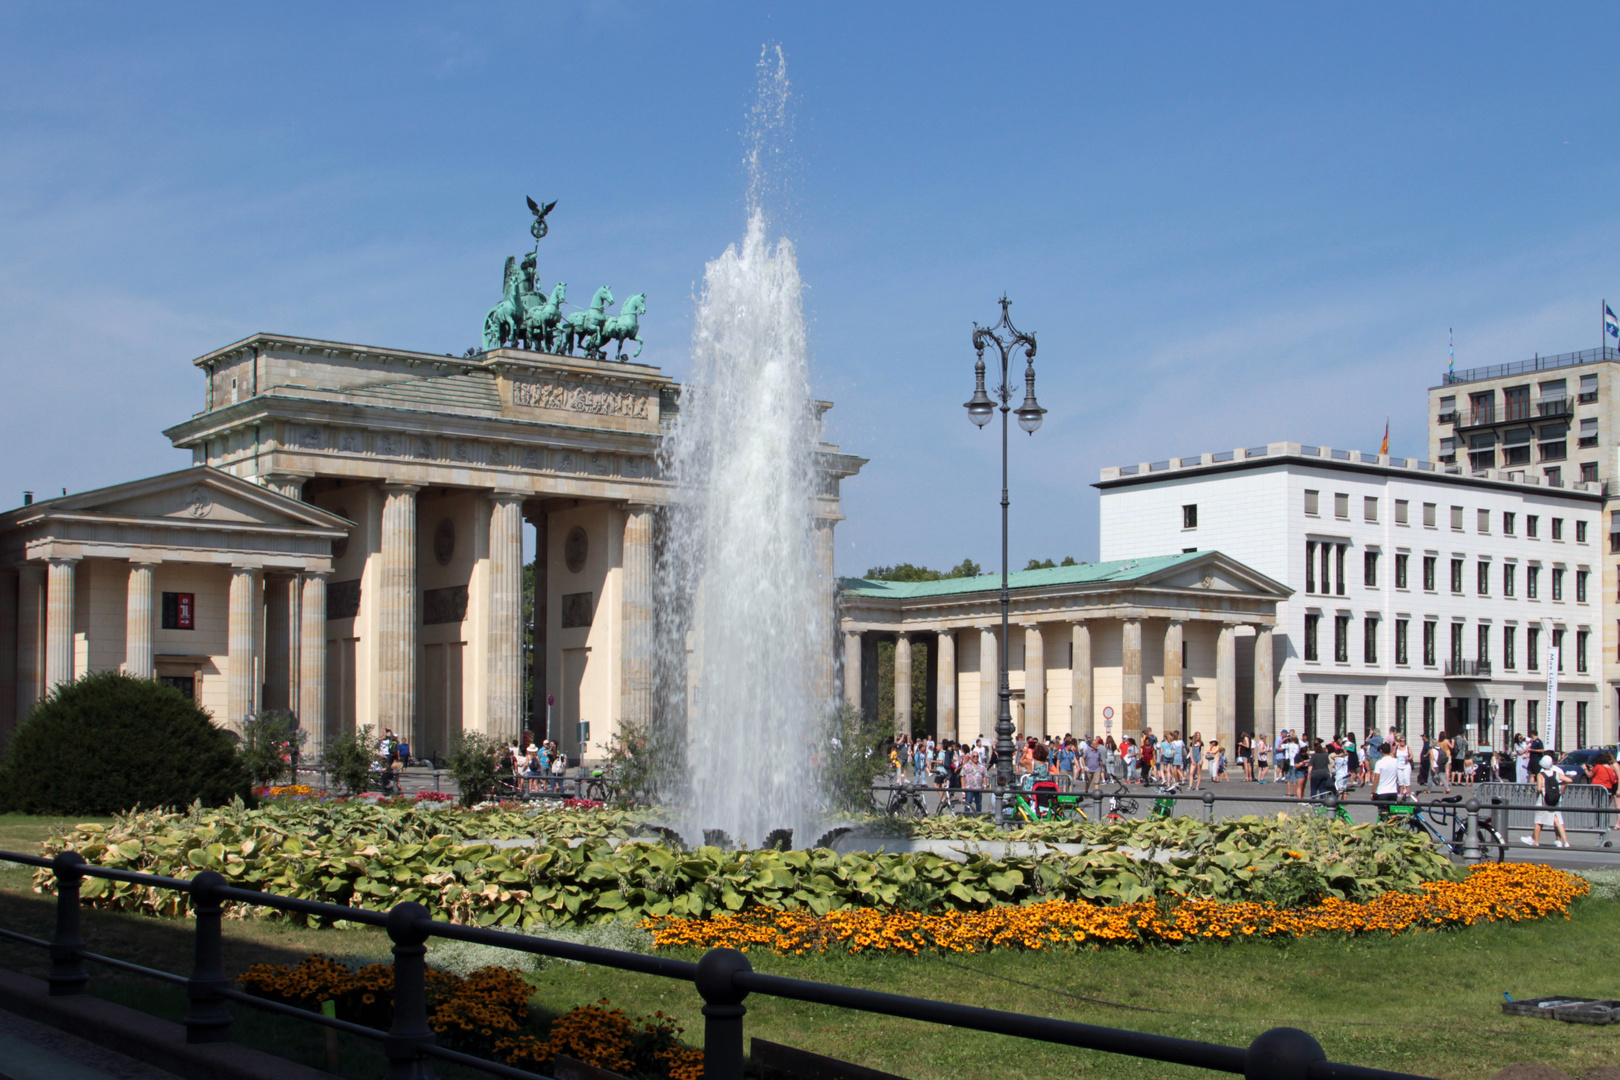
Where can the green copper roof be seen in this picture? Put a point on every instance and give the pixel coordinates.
(468, 390)
(1085, 574)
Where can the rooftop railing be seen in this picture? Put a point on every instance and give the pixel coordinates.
(1521, 367)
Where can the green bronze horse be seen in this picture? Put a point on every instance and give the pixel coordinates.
(585, 327)
(501, 324)
(625, 325)
(540, 317)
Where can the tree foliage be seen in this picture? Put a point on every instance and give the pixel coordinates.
(349, 758)
(911, 572)
(110, 742)
(474, 760)
(269, 743)
(855, 756)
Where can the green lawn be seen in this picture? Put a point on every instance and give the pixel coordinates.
(1423, 1003)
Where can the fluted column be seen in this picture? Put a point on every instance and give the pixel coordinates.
(285, 484)
(396, 630)
(1034, 681)
(1173, 692)
(505, 611)
(945, 684)
(30, 620)
(852, 669)
(1265, 694)
(59, 622)
(827, 613)
(989, 681)
(1081, 720)
(538, 713)
(1226, 685)
(312, 663)
(241, 646)
(1132, 692)
(636, 705)
(902, 685)
(138, 658)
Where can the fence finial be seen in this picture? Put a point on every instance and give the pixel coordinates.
(1283, 1053)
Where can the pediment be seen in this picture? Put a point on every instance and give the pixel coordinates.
(200, 494)
(1217, 573)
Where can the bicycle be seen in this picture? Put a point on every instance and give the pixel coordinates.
(907, 801)
(1317, 804)
(1121, 805)
(1448, 830)
(1163, 805)
(1047, 806)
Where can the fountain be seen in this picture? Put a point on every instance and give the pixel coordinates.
(744, 612)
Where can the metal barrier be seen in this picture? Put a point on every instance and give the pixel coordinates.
(1586, 807)
(723, 978)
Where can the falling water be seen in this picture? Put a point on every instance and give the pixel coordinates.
(739, 561)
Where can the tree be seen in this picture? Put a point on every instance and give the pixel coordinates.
(269, 742)
(474, 760)
(911, 572)
(854, 756)
(349, 758)
(110, 742)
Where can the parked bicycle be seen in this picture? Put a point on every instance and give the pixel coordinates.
(1317, 804)
(1444, 823)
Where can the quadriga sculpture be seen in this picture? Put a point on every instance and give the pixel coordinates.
(584, 328)
(626, 325)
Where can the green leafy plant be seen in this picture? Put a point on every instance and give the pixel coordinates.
(349, 757)
(269, 745)
(474, 761)
(852, 758)
(109, 742)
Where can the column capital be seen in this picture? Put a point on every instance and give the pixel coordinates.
(316, 575)
(145, 564)
(508, 495)
(62, 560)
(1030, 624)
(395, 487)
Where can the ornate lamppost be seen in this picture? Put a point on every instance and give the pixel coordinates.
(980, 410)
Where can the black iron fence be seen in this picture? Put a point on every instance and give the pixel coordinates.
(723, 978)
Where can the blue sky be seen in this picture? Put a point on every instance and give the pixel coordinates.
(1228, 224)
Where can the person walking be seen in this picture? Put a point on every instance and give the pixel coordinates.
(1195, 761)
(1262, 758)
(1245, 755)
(1321, 766)
(1091, 764)
(1550, 781)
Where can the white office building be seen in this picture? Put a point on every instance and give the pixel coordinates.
(1422, 600)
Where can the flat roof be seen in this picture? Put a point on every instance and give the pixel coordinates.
(1120, 570)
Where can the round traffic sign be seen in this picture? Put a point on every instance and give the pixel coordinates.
(1108, 712)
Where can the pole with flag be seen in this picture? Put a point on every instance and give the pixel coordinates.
(1611, 326)
(1383, 449)
(1451, 351)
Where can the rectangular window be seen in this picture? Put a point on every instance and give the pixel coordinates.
(179, 611)
(1510, 716)
(1589, 432)
(1558, 732)
(1428, 717)
(1369, 640)
(1508, 523)
(1341, 638)
(1341, 506)
(1369, 508)
(1341, 713)
(1401, 511)
(1482, 407)
(1531, 709)
(1400, 641)
(1311, 498)
(1580, 529)
(1516, 402)
(1484, 522)
(1532, 581)
(1430, 632)
(1456, 518)
(1581, 638)
(1532, 648)
(1482, 645)
(1557, 528)
(1580, 585)
(1588, 388)
(1589, 473)
(1327, 576)
(1457, 643)
(1530, 523)
(1400, 716)
(1558, 647)
(1558, 582)
(1338, 566)
(1310, 716)
(1456, 575)
(1310, 566)
(1510, 652)
(1428, 514)
(1580, 724)
(1507, 578)
(1369, 569)
(1312, 622)
(1189, 516)
(1429, 562)
(1483, 576)
(1400, 569)
(1369, 714)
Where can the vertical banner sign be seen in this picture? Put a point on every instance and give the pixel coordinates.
(1552, 697)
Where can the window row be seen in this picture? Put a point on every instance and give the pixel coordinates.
(1457, 643)
(1330, 559)
(1482, 518)
(1480, 717)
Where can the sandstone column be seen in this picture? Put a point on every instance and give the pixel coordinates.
(1226, 686)
(989, 683)
(1081, 719)
(539, 716)
(852, 669)
(285, 484)
(1173, 696)
(240, 643)
(312, 663)
(1132, 692)
(1265, 694)
(295, 643)
(59, 622)
(505, 647)
(945, 683)
(30, 614)
(636, 705)
(138, 658)
(827, 616)
(396, 631)
(1034, 681)
(902, 684)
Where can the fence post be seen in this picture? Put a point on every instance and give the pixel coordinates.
(1099, 817)
(1282, 1053)
(207, 1018)
(723, 1013)
(68, 975)
(410, 1030)
(1209, 807)
(1471, 831)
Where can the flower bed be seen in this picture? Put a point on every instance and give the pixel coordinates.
(487, 1014)
(1509, 892)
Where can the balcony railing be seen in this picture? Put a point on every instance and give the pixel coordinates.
(1587, 441)
(1555, 407)
(1468, 669)
(1587, 397)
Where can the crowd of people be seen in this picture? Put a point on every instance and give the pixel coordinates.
(532, 763)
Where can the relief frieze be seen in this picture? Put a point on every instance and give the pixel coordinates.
(579, 397)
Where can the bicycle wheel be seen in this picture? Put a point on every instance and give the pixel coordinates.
(1431, 834)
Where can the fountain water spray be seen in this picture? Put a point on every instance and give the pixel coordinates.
(745, 607)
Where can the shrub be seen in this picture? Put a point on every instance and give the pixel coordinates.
(473, 762)
(269, 742)
(853, 758)
(349, 758)
(110, 742)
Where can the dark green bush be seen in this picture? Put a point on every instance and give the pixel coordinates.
(109, 742)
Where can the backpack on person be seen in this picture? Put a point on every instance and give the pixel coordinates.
(1551, 787)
